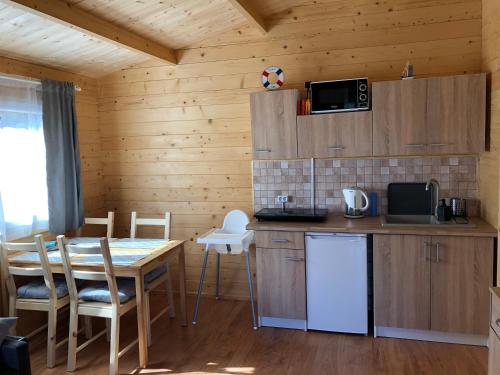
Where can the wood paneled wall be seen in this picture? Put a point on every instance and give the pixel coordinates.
(490, 161)
(88, 127)
(178, 138)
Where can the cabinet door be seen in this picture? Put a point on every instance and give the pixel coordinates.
(399, 117)
(274, 124)
(461, 274)
(401, 277)
(494, 354)
(281, 283)
(456, 110)
(335, 135)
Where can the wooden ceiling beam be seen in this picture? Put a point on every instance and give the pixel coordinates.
(63, 13)
(248, 11)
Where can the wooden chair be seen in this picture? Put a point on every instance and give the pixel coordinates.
(108, 221)
(115, 301)
(159, 275)
(51, 296)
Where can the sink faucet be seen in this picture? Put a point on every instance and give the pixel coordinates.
(435, 199)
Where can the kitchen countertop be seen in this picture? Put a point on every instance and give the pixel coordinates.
(337, 223)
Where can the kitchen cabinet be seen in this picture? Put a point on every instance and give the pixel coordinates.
(335, 135)
(461, 273)
(281, 283)
(401, 281)
(281, 279)
(437, 283)
(456, 110)
(274, 124)
(438, 115)
(494, 342)
(399, 117)
(494, 354)
(280, 240)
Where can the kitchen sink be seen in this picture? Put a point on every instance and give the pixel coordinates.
(423, 220)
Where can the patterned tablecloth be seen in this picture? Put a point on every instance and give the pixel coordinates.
(124, 252)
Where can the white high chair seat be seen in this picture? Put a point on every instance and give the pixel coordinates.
(225, 243)
(233, 238)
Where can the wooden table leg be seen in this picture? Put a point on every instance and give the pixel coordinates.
(182, 284)
(140, 295)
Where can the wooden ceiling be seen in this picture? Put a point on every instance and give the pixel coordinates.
(175, 23)
(45, 32)
(27, 37)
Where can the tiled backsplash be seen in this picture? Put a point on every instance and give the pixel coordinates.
(457, 177)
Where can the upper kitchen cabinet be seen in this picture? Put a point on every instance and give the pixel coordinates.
(456, 110)
(399, 109)
(274, 124)
(440, 115)
(335, 135)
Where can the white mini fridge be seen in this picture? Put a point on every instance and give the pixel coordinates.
(337, 282)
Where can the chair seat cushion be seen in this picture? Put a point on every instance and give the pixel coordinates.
(99, 292)
(37, 289)
(154, 274)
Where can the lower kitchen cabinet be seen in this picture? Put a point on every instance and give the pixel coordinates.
(434, 283)
(401, 281)
(461, 274)
(494, 342)
(494, 354)
(281, 283)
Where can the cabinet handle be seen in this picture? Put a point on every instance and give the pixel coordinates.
(292, 259)
(280, 241)
(336, 147)
(426, 251)
(497, 322)
(439, 144)
(438, 247)
(416, 145)
(263, 150)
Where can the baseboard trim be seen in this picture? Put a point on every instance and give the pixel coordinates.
(266, 321)
(435, 336)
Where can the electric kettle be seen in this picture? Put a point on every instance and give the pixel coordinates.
(354, 207)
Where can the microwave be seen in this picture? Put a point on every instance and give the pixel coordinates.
(340, 96)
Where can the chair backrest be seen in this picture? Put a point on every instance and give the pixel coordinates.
(164, 222)
(8, 248)
(108, 221)
(72, 274)
(235, 222)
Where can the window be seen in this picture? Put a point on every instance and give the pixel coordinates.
(23, 182)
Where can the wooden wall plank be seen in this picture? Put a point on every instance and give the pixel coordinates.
(178, 138)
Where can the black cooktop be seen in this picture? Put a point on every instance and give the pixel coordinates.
(292, 214)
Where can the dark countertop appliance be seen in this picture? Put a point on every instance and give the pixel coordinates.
(292, 214)
(340, 96)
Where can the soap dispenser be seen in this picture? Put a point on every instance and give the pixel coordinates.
(443, 211)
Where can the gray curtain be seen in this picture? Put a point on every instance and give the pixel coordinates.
(63, 156)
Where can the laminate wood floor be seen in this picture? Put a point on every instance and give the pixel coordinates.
(223, 342)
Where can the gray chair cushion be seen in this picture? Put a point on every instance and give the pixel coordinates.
(37, 289)
(99, 292)
(154, 274)
(5, 325)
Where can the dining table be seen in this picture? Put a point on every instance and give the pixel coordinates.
(131, 258)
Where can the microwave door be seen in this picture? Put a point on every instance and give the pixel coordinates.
(334, 96)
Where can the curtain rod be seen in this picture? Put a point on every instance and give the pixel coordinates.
(31, 80)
